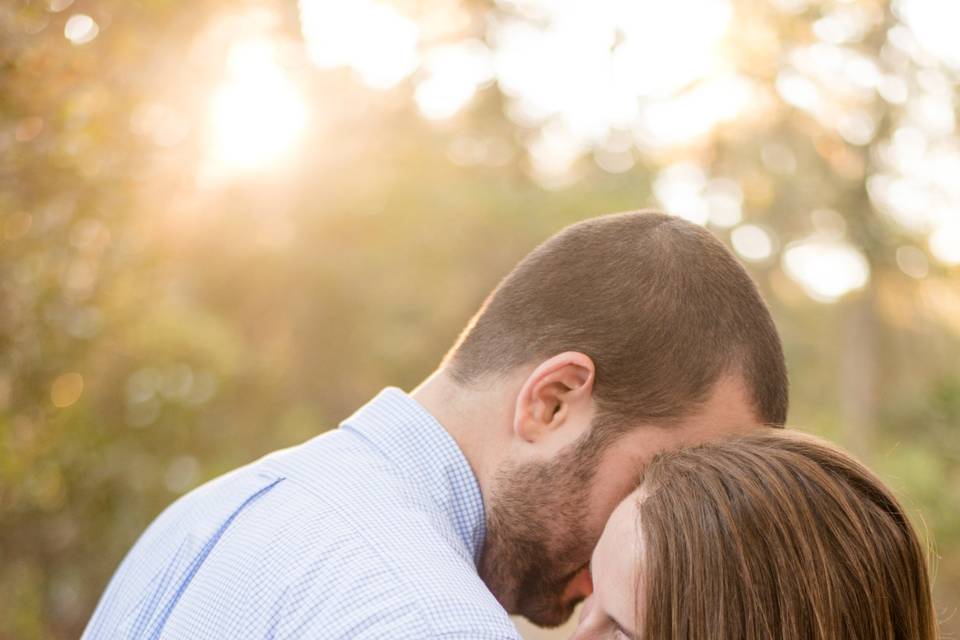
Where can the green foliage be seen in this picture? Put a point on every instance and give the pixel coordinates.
(158, 329)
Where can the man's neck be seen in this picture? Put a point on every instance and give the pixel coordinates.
(479, 419)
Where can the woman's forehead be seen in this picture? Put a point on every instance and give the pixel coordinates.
(614, 564)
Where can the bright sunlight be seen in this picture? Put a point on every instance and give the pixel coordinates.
(258, 113)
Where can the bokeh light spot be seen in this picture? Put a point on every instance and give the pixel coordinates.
(679, 187)
(935, 24)
(945, 244)
(80, 29)
(28, 129)
(913, 262)
(455, 73)
(372, 38)
(66, 389)
(827, 269)
(181, 474)
(752, 243)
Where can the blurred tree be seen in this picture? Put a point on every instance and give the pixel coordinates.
(226, 225)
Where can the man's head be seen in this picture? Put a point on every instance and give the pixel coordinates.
(617, 338)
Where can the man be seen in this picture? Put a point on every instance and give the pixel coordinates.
(483, 492)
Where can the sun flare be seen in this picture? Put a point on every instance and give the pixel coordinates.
(258, 113)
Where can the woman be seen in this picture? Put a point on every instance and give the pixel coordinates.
(768, 536)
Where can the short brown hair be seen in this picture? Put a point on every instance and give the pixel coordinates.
(658, 303)
(777, 535)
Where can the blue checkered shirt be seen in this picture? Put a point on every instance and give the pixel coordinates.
(370, 531)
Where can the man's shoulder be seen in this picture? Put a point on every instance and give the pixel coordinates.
(324, 539)
(386, 569)
(373, 551)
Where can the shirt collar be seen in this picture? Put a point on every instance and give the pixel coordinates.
(418, 445)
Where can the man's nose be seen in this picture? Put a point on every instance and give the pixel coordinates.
(579, 587)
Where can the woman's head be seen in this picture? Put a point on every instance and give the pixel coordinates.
(771, 535)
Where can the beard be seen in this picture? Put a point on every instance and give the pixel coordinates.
(537, 539)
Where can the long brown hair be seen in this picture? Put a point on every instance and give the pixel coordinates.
(777, 535)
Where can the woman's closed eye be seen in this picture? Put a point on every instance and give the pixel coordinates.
(620, 633)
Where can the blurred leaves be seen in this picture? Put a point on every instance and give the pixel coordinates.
(162, 321)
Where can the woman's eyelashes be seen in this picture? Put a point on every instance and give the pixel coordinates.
(620, 633)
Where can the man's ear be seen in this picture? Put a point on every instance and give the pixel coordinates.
(559, 385)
